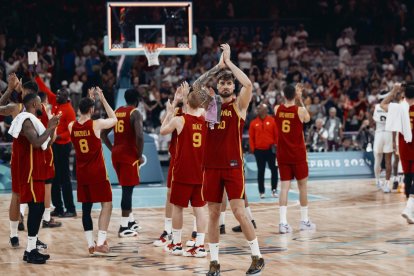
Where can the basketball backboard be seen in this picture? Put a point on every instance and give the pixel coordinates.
(131, 25)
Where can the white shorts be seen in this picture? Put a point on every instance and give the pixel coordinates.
(383, 142)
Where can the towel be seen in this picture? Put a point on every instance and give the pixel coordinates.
(398, 119)
(213, 112)
(17, 124)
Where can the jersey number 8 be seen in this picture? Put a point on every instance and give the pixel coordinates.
(197, 140)
(286, 126)
(83, 145)
(119, 127)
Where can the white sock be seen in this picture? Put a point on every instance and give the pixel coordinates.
(101, 237)
(304, 213)
(200, 239)
(176, 233)
(387, 184)
(13, 228)
(23, 208)
(214, 251)
(168, 225)
(254, 246)
(222, 218)
(46, 214)
(249, 213)
(89, 238)
(31, 243)
(131, 217)
(124, 221)
(194, 224)
(410, 203)
(283, 211)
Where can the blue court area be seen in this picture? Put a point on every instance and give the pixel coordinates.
(147, 196)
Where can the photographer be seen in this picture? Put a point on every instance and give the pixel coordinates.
(317, 137)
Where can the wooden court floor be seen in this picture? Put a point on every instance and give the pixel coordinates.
(359, 232)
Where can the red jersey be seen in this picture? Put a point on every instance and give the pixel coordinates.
(172, 146)
(29, 161)
(48, 152)
(189, 151)
(224, 142)
(90, 165)
(291, 142)
(407, 149)
(125, 148)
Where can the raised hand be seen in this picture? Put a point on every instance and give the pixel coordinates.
(54, 121)
(226, 52)
(13, 81)
(99, 91)
(169, 107)
(185, 87)
(178, 96)
(91, 93)
(299, 89)
(221, 63)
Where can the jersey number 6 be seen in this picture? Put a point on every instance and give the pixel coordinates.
(286, 126)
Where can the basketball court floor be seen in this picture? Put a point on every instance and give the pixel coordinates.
(359, 232)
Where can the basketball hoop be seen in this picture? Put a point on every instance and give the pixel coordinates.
(152, 51)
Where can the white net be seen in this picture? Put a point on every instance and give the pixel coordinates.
(152, 51)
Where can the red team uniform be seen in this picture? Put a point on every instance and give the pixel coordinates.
(187, 171)
(31, 173)
(291, 150)
(124, 150)
(93, 183)
(406, 150)
(49, 164)
(223, 159)
(14, 169)
(171, 149)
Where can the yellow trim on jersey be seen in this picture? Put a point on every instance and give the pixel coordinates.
(31, 164)
(241, 154)
(132, 111)
(31, 188)
(236, 109)
(202, 186)
(53, 157)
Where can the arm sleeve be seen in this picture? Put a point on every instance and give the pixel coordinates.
(42, 87)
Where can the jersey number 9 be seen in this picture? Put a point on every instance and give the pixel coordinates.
(286, 126)
(197, 140)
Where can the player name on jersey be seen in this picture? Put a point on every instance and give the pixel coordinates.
(287, 115)
(226, 113)
(120, 114)
(82, 133)
(197, 127)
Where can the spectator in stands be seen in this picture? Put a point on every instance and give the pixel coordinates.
(75, 88)
(317, 137)
(342, 44)
(245, 60)
(334, 127)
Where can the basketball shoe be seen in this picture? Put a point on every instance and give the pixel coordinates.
(14, 242)
(238, 227)
(125, 232)
(134, 226)
(222, 229)
(174, 249)
(25, 254)
(20, 226)
(274, 194)
(284, 228)
(256, 267)
(214, 269)
(191, 243)
(164, 239)
(408, 215)
(101, 250)
(379, 184)
(196, 251)
(35, 257)
(307, 225)
(51, 223)
(40, 245)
